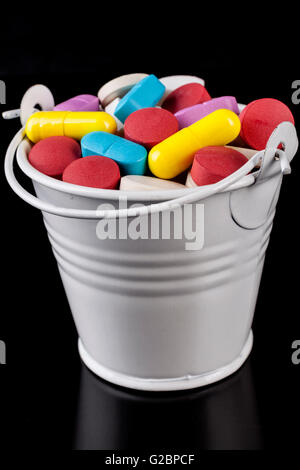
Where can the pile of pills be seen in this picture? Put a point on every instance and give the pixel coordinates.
(141, 132)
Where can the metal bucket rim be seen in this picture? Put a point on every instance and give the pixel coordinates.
(111, 194)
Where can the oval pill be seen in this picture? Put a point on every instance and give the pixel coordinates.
(131, 157)
(144, 94)
(53, 154)
(172, 156)
(212, 164)
(94, 172)
(259, 118)
(188, 116)
(79, 103)
(147, 183)
(185, 96)
(149, 126)
(118, 87)
(71, 124)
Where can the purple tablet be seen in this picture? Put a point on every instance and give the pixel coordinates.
(188, 116)
(79, 103)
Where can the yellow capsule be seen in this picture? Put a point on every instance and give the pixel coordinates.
(175, 154)
(71, 124)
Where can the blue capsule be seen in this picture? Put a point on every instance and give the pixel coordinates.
(131, 157)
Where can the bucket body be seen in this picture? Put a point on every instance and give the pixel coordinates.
(154, 313)
(151, 309)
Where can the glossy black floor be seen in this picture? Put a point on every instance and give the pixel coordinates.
(48, 399)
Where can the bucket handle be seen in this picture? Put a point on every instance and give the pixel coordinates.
(194, 195)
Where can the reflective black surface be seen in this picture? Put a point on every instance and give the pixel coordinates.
(221, 416)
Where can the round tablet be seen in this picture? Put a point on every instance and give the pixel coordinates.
(53, 154)
(259, 118)
(212, 164)
(149, 126)
(185, 96)
(94, 171)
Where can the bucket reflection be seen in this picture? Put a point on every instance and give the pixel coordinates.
(220, 416)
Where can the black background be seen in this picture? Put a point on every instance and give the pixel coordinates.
(48, 399)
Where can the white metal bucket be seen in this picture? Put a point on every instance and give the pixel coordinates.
(150, 314)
